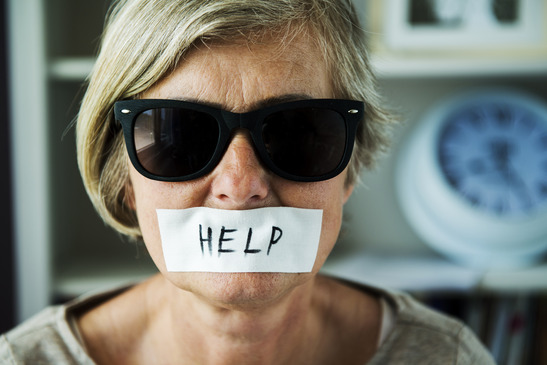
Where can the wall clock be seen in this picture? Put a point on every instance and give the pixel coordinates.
(471, 178)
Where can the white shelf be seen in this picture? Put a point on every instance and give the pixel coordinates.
(81, 276)
(389, 66)
(429, 273)
(522, 280)
(71, 68)
(386, 65)
(411, 272)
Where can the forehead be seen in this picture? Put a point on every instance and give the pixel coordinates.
(239, 75)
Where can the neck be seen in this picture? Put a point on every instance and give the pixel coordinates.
(319, 321)
(273, 333)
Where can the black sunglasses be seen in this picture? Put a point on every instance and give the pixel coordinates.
(306, 140)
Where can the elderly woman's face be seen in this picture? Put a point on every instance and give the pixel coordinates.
(238, 77)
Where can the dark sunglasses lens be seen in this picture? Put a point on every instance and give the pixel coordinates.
(173, 142)
(306, 142)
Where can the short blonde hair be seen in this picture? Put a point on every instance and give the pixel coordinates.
(146, 39)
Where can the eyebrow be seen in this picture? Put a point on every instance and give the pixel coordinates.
(279, 99)
(274, 100)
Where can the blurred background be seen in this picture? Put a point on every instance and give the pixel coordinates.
(55, 246)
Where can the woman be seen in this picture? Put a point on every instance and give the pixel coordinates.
(234, 105)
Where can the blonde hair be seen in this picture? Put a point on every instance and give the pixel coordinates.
(146, 39)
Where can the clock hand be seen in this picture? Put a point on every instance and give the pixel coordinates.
(518, 183)
(501, 152)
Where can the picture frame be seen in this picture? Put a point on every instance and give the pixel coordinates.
(464, 24)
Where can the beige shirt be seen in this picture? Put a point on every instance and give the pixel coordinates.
(411, 334)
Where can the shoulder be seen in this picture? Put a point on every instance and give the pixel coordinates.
(422, 335)
(47, 337)
(43, 339)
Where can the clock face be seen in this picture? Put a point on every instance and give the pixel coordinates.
(494, 154)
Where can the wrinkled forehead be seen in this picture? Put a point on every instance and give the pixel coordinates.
(238, 75)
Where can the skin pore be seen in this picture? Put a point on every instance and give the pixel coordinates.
(238, 318)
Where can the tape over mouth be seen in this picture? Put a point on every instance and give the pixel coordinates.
(273, 239)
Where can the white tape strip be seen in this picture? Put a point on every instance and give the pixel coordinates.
(277, 239)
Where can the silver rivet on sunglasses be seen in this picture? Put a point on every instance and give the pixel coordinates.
(126, 111)
(353, 111)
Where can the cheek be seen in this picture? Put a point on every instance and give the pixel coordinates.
(332, 221)
(145, 207)
(329, 196)
(150, 195)
(148, 222)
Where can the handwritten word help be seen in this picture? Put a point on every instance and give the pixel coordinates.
(224, 237)
(278, 239)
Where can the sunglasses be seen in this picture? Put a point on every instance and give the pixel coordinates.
(173, 140)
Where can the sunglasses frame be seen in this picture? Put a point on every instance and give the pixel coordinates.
(352, 112)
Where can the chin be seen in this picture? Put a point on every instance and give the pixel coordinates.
(239, 290)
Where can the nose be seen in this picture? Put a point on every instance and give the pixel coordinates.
(239, 180)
